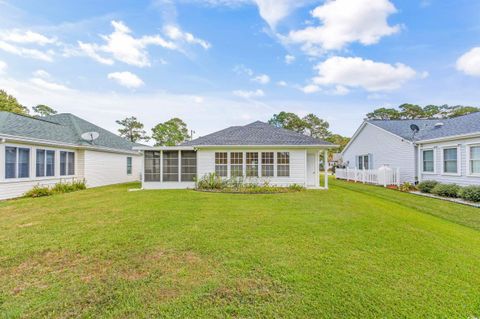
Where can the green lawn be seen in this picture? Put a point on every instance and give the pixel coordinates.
(353, 251)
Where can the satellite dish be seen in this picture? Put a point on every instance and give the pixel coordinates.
(414, 128)
(90, 136)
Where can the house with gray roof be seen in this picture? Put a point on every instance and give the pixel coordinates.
(257, 152)
(61, 147)
(445, 150)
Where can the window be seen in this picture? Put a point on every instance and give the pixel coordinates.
(236, 164)
(221, 164)
(189, 166)
(170, 166)
(129, 165)
(475, 160)
(363, 162)
(267, 164)
(252, 164)
(450, 160)
(45, 163)
(152, 166)
(17, 162)
(67, 163)
(283, 164)
(428, 161)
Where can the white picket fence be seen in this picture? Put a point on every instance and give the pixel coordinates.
(384, 177)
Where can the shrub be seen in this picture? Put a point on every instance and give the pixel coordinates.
(446, 190)
(296, 188)
(39, 191)
(407, 187)
(471, 193)
(68, 187)
(427, 186)
(211, 181)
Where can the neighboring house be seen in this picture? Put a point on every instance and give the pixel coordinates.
(446, 150)
(47, 150)
(257, 152)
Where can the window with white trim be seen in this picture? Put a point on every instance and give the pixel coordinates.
(17, 162)
(268, 163)
(474, 160)
(45, 163)
(428, 161)
(363, 162)
(252, 164)
(221, 164)
(67, 163)
(236, 164)
(450, 160)
(283, 164)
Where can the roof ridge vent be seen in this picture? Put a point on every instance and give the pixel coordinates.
(439, 124)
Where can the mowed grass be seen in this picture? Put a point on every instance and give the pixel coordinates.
(354, 251)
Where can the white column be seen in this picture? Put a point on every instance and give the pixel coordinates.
(317, 169)
(325, 166)
(306, 170)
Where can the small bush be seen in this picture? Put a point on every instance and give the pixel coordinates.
(427, 186)
(407, 187)
(39, 191)
(212, 182)
(446, 190)
(470, 193)
(68, 187)
(296, 188)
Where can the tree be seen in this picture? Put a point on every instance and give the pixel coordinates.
(43, 110)
(170, 133)
(132, 129)
(10, 104)
(459, 110)
(384, 114)
(340, 140)
(411, 111)
(289, 121)
(316, 127)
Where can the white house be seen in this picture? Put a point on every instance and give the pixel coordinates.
(258, 152)
(445, 150)
(47, 150)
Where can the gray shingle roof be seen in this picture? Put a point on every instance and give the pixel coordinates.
(256, 133)
(61, 128)
(461, 125)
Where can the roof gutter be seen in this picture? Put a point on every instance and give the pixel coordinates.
(450, 138)
(195, 147)
(5, 137)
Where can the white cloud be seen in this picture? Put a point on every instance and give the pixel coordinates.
(42, 74)
(282, 83)
(3, 67)
(27, 52)
(344, 22)
(26, 37)
(49, 85)
(289, 59)
(340, 90)
(126, 79)
(469, 63)
(198, 99)
(175, 33)
(311, 88)
(249, 94)
(241, 69)
(359, 73)
(90, 50)
(262, 79)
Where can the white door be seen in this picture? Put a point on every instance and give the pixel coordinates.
(311, 172)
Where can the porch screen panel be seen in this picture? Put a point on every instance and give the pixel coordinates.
(170, 166)
(252, 164)
(221, 164)
(236, 164)
(152, 166)
(189, 166)
(283, 164)
(267, 164)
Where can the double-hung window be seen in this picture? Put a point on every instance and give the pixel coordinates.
(221, 164)
(236, 164)
(450, 160)
(129, 165)
(428, 161)
(283, 164)
(363, 162)
(45, 163)
(17, 162)
(252, 164)
(67, 163)
(267, 164)
(474, 160)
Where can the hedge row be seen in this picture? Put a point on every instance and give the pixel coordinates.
(470, 193)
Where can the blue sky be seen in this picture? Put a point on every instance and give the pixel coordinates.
(216, 63)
